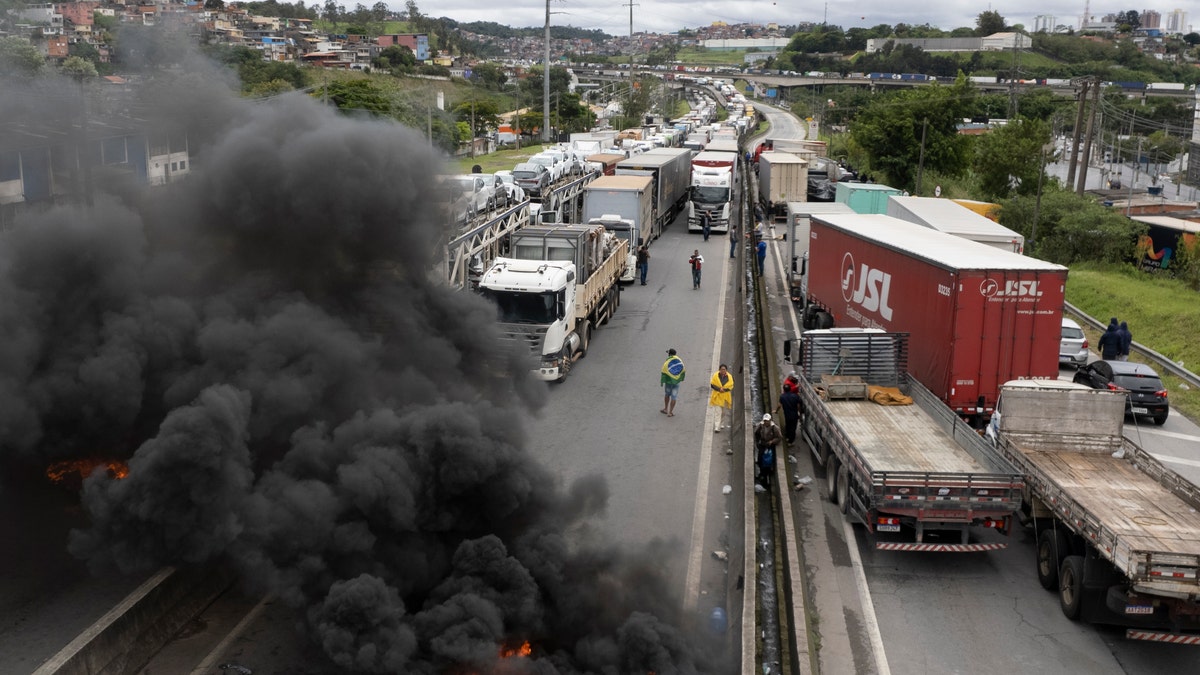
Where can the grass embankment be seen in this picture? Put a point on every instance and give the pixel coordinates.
(497, 161)
(1163, 314)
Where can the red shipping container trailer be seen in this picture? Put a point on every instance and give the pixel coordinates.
(978, 316)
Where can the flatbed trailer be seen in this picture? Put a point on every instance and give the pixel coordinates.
(911, 469)
(1117, 532)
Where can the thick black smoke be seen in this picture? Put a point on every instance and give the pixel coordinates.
(297, 396)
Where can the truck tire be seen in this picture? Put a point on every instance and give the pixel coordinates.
(566, 365)
(831, 473)
(824, 320)
(1052, 548)
(1070, 586)
(843, 488)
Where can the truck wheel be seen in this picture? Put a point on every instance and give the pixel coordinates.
(566, 365)
(824, 320)
(831, 473)
(1070, 586)
(1052, 547)
(843, 488)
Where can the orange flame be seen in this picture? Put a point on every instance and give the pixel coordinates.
(524, 649)
(75, 470)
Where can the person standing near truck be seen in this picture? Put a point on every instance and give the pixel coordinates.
(761, 249)
(696, 262)
(733, 240)
(643, 262)
(789, 404)
(766, 438)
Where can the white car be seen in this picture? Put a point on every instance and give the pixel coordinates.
(1073, 345)
(555, 168)
(515, 193)
(479, 189)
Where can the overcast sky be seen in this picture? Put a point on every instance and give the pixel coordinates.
(665, 16)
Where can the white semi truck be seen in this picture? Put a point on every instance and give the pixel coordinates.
(560, 283)
(714, 175)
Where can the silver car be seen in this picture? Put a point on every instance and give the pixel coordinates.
(1073, 345)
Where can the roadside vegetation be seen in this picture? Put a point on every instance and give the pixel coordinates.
(1161, 312)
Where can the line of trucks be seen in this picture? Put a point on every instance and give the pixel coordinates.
(561, 281)
(967, 335)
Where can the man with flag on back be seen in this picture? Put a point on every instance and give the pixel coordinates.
(673, 373)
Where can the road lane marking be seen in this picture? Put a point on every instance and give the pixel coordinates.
(1168, 434)
(691, 589)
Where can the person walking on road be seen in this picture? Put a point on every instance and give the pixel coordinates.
(673, 372)
(721, 397)
(766, 438)
(761, 249)
(1126, 341)
(706, 224)
(789, 403)
(1110, 342)
(643, 262)
(733, 241)
(696, 261)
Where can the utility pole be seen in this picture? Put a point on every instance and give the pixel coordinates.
(921, 160)
(1075, 136)
(631, 4)
(546, 81)
(1087, 141)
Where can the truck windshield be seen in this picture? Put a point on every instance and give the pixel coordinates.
(710, 195)
(514, 307)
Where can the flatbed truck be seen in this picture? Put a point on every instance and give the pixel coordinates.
(916, 476)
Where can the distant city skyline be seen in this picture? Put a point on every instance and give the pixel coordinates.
(669, 16)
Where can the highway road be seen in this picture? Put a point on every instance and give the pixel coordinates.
(901, 612)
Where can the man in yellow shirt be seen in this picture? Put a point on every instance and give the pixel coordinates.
(722, 395)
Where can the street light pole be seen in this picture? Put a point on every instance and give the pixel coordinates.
(546, 81)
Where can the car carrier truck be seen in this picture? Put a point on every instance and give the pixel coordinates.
(1117, 533)
(559, 285)
(624, 205)
(905, 471)
(978, 316)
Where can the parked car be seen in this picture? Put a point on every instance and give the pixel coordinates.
(515, 193)
(1145, 392)
(1073, 345)
(479, 190)
(533, 178)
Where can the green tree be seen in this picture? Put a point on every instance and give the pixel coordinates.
(18, 56)
(484, 112)
(489, 75)
(989, 23)
(397, 56)
(1008, 158)
(356, 95)
(1072, 228)
(889, 131)
(78, 67)
(104, 21)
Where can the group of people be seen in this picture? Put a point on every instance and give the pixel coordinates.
(1114, 344)
(696, 261)
(767, 434)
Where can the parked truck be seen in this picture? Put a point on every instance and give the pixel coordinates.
(799, 218)
(906, 467)
(782, 177)
(1116, 530)
(696, 141)
(951, 217)
(669, 170)
(723, 144)
(623, 205)
(714, 175)
(979, 316)
(559, 284)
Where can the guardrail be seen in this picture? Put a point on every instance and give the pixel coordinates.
(1162, 361)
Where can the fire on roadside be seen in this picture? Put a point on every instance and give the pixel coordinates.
(513, 649)
(71, 472)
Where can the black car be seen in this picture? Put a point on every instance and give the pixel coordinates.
(1145, 393)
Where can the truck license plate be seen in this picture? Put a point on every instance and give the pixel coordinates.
(1139, 411)
(1139, 609)
(887, 528)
